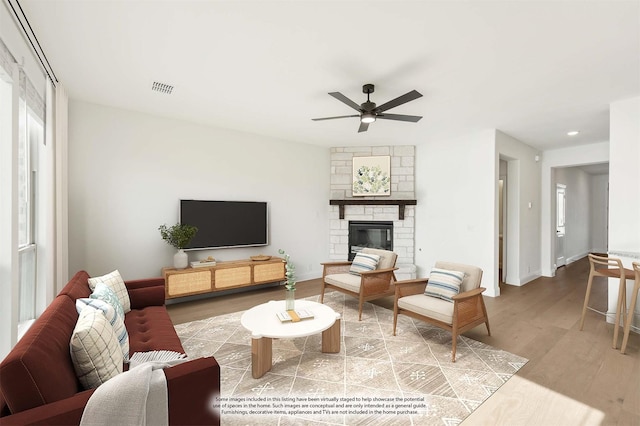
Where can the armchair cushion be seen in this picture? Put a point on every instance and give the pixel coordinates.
(364, 262)
(430, 307)
(387, 258)
(346, 281)
(444, 283)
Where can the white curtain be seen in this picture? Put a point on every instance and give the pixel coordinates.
(62, 195)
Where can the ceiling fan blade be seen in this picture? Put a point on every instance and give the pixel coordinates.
(400, 117)
(414, 94)
(332, 118)
(363, 127)
(342, 98)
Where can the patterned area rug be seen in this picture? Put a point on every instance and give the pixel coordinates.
(407, 379)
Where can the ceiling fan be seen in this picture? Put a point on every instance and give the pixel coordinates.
(369, 112)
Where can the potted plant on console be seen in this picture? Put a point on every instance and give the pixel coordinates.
(178, 236)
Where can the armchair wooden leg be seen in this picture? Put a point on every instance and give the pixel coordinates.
(322, 293)
(395, 320)
(454, 346)
(488, 329)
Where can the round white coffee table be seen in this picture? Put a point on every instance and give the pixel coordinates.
(264, 325)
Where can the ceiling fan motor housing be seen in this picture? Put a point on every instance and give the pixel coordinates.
(368, 106)
(368, 88)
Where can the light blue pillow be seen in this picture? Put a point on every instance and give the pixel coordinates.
(444, 284)
(114, 319)
(364, 262)
(103, 292)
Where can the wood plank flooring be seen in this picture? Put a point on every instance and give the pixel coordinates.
(572, 378)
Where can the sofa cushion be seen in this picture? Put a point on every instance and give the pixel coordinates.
(151, 329)
(95, 350)
(104, 293)
(38, 370)
(116, 321)
(77, 287)
(115, 282)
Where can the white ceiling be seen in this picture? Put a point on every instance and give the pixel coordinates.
(533, 69)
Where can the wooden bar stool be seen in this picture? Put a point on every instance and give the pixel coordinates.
(632, 308)
(612, 269)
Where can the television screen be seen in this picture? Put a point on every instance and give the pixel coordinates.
(225, 223)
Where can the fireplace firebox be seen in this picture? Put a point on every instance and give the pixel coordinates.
(372, 234)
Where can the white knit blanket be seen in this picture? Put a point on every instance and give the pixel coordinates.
(137, 397)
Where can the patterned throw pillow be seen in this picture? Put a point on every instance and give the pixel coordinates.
(444, 284)
(114, 319)
(364, 262)
(102, 292)
(95, 351)
(115, 283)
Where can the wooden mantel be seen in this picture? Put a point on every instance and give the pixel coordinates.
(363, 202)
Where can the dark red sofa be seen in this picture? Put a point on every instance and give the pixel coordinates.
(38, 384)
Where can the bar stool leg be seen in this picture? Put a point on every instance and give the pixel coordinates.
(586, 300)
(632, 308)
(621, 309)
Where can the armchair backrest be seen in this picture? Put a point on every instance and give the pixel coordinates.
(387, 258)
(472, 274)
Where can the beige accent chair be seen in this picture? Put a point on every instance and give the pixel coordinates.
(466, 312)
(366, 286)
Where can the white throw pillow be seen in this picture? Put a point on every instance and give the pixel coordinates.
(114, 319)
(115, 282)
(95, 351)
(364, 262)
(444, 283)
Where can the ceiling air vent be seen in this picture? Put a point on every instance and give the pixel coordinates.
(162, 88)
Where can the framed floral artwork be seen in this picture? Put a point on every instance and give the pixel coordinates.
(371, 176)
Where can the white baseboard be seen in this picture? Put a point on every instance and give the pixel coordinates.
(576, 257)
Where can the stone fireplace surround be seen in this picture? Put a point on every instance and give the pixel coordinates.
(402, 188)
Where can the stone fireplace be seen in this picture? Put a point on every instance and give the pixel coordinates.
(398, 209)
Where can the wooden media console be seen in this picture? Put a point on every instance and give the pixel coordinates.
(222, 276)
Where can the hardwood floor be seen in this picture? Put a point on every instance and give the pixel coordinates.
(572, 378)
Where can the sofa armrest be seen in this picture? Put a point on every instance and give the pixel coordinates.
(67, 411)
(193, 387)
(146, 292)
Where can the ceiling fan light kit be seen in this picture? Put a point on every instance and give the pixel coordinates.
(369, 112)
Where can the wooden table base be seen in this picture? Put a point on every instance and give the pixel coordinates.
(262, 353)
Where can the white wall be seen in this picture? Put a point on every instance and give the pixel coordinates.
(552, 159)
(127, 172)
(577, 240)
(624, 176)
(523, 208)
(456, 189)
(624, 192)
(599, 208)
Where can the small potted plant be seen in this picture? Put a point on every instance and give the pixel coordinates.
(290, 282)
(178, 236)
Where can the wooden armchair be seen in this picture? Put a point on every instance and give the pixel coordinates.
(466, 311)
(368, 285)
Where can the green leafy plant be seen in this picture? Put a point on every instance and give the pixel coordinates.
(179, 235)
(290, 272)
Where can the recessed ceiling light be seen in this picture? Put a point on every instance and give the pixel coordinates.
(573, 133)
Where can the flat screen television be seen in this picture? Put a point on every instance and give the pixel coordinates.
(225, 223)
